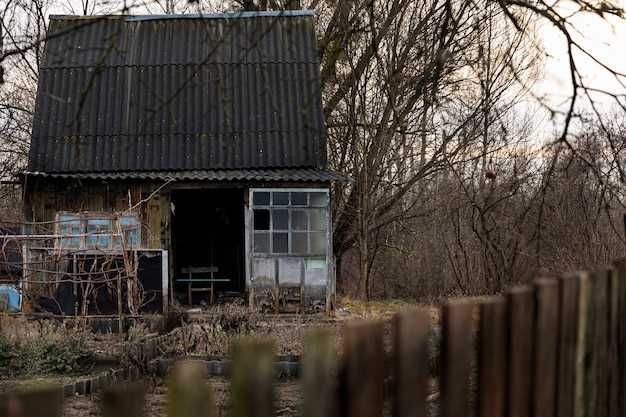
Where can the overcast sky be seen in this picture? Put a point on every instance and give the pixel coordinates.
(606, 39)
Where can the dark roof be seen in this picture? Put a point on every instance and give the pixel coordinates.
(154, 93)
(298, 174)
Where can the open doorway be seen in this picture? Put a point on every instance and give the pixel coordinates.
(208, 242)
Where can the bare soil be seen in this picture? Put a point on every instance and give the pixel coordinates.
(288, 396)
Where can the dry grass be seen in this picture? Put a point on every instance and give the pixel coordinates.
(355, 309)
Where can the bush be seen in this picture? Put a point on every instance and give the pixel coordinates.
(42, 348)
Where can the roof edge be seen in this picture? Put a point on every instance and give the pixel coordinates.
(293, 174)
(226, 15)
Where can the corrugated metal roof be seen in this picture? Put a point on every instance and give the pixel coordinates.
(206, 175)
(119, 93)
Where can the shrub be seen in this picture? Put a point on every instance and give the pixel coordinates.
(43, 348)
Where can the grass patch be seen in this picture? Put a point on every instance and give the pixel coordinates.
(43, 348)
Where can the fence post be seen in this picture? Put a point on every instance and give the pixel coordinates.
(546, 347)
(620, 265)
(520, 350)
(411, 363)
(456, 358)
(492, 358)
(188, 393)
(568, 293)
(364, 367)
(124, 401)
(252, 379)
(613, 341)
(320, 375)
(44, 402)
(595, 348)
(584, 304)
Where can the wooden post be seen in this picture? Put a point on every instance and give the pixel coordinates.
(456, 358)
(584, 301)
(568, 334)
(364, 367)
(596, 347)
(546, 347)
(411, 363)
(124, 401)
(613, 343)
(592, 365)
(252, 379)
(520, 350)
(320, 375)
(492, 358)
(188, 393)
(621, 336)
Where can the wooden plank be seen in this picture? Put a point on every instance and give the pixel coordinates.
(521, 312)
(492, 358)
(199, 269)
(188, 393)
(620, 266)
(568, 336)
(592, 362)
(613, 341)
(43, 402)
(597, 343)
(456, 358)
(546, 347)
(252, 379)
(364, 362)
(124, 401)
(584, 302)
(411, 363)
(320, 375)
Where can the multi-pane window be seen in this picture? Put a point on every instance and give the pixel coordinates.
(69, 226)
(101, 231)
(290, 222)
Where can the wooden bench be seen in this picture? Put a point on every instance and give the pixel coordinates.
(191, 270)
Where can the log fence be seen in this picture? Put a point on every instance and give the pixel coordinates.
(553, 348)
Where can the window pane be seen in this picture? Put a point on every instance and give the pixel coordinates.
(319, 199)
(280, 198)
(99, 233)
(318, 243)
(69, 225)
(299, 244)
(318, 219)
(298, 199)
(261, 242)
(130, 227)
(261, 198)
(261, 219)
(280, 219)
(280, 242)
(298, 220)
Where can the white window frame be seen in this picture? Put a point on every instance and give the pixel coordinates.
(290, 208)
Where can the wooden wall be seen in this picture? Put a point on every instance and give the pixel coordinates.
(44, 198)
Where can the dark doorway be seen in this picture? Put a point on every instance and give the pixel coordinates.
(208, 232)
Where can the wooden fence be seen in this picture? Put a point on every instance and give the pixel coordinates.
(556, 348)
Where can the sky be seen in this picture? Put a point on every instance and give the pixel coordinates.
(605, 39)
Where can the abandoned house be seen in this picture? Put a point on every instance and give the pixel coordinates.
(179, 159)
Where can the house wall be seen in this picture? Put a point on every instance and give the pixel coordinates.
(44, 198)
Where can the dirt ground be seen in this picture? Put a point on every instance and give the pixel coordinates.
(212, 331)
(287, 394)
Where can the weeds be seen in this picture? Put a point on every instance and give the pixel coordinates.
(43, 348)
